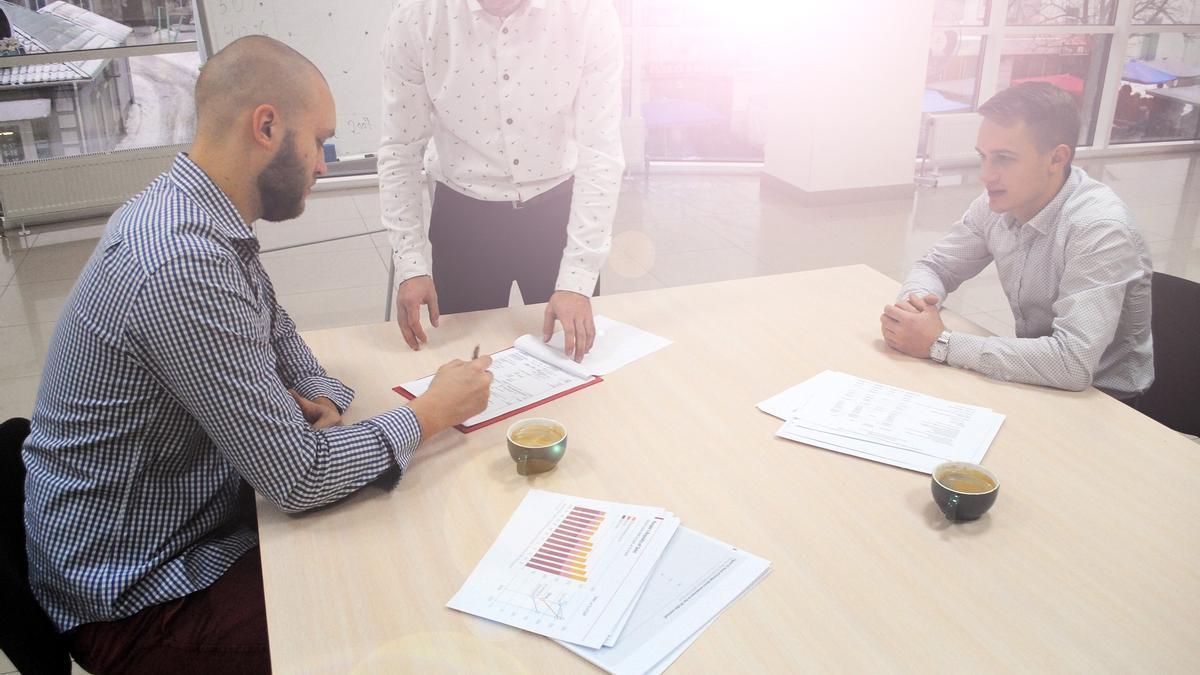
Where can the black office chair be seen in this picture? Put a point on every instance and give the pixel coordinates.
(1174, 398)
(27, 636)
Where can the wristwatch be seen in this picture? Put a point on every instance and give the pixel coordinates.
(940, 347)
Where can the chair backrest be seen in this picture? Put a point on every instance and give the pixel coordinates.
(27, 636)
(1174, 398)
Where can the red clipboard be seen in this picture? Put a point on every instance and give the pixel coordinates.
(468, 429)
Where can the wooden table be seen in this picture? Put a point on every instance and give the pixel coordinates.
(1088, 561)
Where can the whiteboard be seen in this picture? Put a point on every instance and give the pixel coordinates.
(343, 37)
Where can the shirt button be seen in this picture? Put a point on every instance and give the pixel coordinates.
(516, 162)
(508, 121)
(504, 30)
(504, 76)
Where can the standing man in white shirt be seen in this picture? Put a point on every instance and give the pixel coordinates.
(1069, 257)
(513, 107)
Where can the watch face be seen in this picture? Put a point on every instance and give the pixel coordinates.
(937, 351)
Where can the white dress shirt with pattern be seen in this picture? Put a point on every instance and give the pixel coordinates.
(503, 110)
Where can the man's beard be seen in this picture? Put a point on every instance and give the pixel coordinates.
(282, 182)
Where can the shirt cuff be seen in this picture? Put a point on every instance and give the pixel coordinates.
(577, 280)
(913, 290)
(965, 351)
(401, 431)
(332, 389)
(409, 265)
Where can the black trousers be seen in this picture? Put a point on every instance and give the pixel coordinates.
(480, 248)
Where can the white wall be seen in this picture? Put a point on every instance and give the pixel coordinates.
(845, 105)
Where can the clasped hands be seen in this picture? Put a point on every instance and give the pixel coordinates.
(912, 325)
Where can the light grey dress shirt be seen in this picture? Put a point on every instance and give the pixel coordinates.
(1077, 277)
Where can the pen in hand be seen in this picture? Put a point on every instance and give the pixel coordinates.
(475, 354)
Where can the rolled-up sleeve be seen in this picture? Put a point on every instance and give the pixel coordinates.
(215, 355)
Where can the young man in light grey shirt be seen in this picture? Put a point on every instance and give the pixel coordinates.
(1069, 257)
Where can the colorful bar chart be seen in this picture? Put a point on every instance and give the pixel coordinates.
(565, 550)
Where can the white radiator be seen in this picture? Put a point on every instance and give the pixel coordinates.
(50, 190)
(950, 138)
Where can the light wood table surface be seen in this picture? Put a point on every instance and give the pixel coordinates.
(1090, 560)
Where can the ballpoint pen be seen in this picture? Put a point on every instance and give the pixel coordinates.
(475, 354)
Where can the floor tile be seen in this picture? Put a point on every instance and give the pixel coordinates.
(9, 262)
(625, 274)
(34, 303)
(306, 234)
(367, 203)
(24, 349)
(55, 262)
(311, 272)
(327, 206)
(983, 293)
(17, 396)
(1179, 258)
(331, 308)
(1172, 221)
(697, 267)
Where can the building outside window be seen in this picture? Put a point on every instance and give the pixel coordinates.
(698, 77)
(1133, 66)
(137, 98)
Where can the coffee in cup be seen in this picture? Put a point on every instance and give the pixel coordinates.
(964, 491)
(536, 444)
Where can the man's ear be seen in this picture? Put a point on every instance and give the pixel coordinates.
(1060, 157)
(264, 127)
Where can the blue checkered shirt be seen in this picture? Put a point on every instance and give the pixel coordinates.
(165, 392)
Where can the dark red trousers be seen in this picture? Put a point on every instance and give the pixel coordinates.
(221, 629)
(480, 248)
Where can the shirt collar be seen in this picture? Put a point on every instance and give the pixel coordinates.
(1045, 219)
(474, 5)
(192, 180)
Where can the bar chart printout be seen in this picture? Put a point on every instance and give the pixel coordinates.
(567, 567)
(565, 551)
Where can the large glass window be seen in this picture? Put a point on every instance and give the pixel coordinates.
(952, 75)
(1159, 98)
(136, 98)
(1073, 63)
(1061, 12)
(116, 23)
(1166, 12)
(956, 49)
(701, 86)
(980, 48)
(960, 12)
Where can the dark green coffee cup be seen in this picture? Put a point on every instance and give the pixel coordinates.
(964, 491)
(536, 444)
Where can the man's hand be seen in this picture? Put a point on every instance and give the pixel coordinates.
(459, 390)
(319, 412)
(912, 325)
(574, 312)
(410, 295)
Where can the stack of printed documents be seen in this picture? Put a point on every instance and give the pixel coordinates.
(886, 424)
(623, 586)
(532, 372)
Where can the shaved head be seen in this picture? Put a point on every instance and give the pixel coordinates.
(249, 72)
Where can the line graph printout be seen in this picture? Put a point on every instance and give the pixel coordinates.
(696, 579)
(567, 567)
